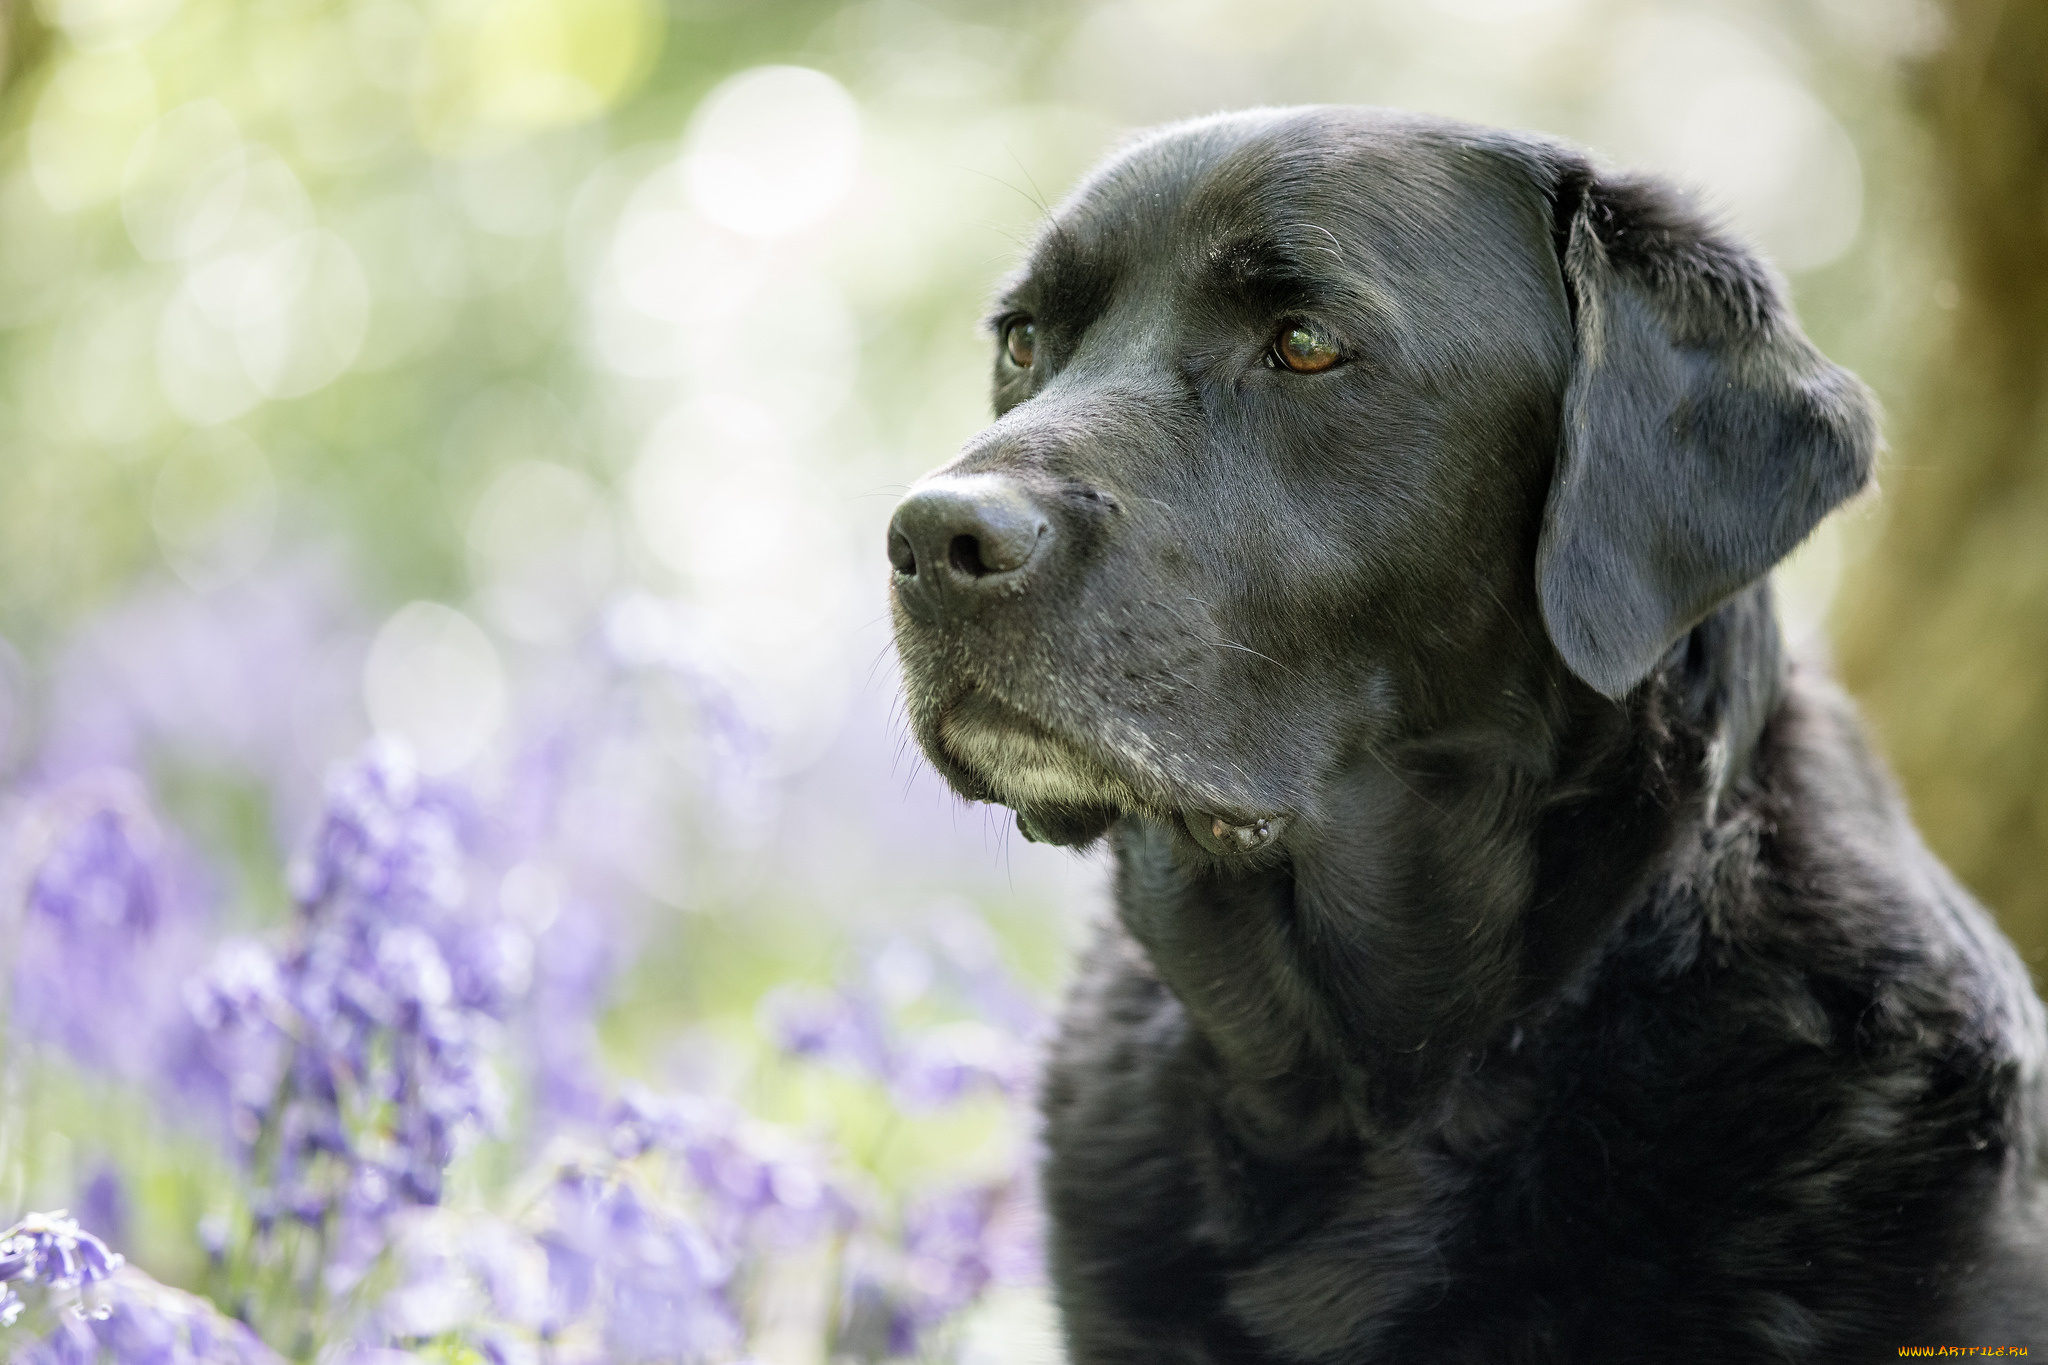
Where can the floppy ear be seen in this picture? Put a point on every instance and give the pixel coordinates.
(1704, 436)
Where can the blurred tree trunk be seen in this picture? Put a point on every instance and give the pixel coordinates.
(1944, 635)
(23, 40)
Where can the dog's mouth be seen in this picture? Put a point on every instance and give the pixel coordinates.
(1064, 791)
(1061, 792)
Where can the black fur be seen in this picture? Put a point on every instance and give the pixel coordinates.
(1515, 960)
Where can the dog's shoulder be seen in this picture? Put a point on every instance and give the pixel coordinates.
(1831, 1036)
(1811, 879)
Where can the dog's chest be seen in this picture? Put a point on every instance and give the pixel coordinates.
(1565, 1204)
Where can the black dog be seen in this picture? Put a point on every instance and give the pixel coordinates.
(1515, 959)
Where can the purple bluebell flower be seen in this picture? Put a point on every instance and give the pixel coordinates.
(945, 1245)
(650, 636)
(846, 1028)
(505, 1348)
(574, 959)
(668, 1284)
(69, 1342)
(464, 1273)
(949, 1247)
(654, 1280)
(99, 873)
(873, 1322)
(1014, 1244)
(355, 1061)
(387, 836)
(491, 966)
(941, 1065)
(108, 923)
(52, 1251)
(850, 1028)
(761, 1188)
(104, 1203)
(147, 1323)
(351, 1054)
(573, 1252)
(241, 1042)
(229, 680)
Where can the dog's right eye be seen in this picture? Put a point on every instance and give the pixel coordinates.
(1304, 349)
(1020, 341)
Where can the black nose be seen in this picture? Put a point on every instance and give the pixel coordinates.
(955, 538)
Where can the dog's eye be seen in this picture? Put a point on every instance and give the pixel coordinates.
(1020, 339)
(1304, 350)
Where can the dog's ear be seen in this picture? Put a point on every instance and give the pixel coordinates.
(1704, 436)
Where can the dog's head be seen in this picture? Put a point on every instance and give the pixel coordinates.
(1322, 429)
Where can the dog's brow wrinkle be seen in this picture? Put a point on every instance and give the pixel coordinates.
(1258, 262)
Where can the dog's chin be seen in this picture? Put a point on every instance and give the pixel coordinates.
(1062, 794)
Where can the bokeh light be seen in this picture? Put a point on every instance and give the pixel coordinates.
(772, 151)
(434, 680)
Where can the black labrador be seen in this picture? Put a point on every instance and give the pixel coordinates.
(1515, 958)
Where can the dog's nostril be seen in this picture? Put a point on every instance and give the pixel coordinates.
(964, 554)
(901, 556)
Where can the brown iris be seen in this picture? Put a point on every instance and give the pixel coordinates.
(1304, 350)
(1020, 341)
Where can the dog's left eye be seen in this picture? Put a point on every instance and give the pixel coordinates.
(1020, 342)
(1304, 349)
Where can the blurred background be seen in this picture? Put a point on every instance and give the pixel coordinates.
(495, 406)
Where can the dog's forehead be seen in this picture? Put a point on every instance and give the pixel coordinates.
(1251, 170)
(1296, 189)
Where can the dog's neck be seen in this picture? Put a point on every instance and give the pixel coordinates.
(1452, 893)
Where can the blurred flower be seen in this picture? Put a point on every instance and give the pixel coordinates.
(851, 1028)
(237, 679)
(573, 964)
(844, 1028)
(647, 1272)
(349, 1058)
(973, 962)
(98, 874)
(51, 1251)
(387, 837)
(950, 1246)
(940, 1065)
(466, 1272)
(947, 1247)
(945, 1244)
(354, 1062)
(148, 1323)
(238, 1052)
(760, 1187)
(108, 923)
(103, 1203)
